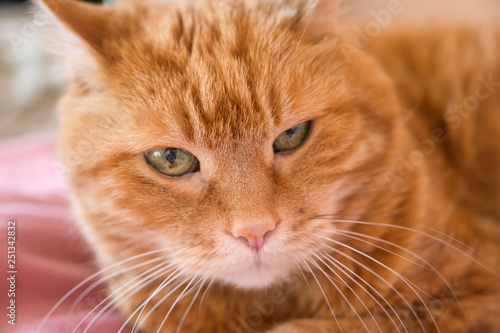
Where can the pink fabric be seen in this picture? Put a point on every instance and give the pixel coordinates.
(51, 256)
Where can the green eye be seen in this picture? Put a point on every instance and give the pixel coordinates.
(292, 138)
(174, 162)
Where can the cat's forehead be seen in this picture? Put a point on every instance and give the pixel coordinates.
(206, 81)
(213, 101)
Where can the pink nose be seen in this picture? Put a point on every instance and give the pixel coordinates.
(253, 235)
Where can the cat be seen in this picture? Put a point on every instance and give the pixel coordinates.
(240, 166)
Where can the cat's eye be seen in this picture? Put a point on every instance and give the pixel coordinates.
(173, 162)
(292, 138)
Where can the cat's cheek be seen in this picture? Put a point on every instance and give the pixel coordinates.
(330, 199)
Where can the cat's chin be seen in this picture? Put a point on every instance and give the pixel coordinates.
(255, 277)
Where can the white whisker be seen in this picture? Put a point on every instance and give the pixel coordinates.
(181, 295)
(405, 280)
(335, 220)
(429, 265)
(302, 274)
(107, 277)
(205, 293)
(324, 294)
(90, 278)
(340, 292)
(397, 292)
(141, 283)
(337, 264)
(174, 275)
(406, 221)
(201, 283)
(348, 233)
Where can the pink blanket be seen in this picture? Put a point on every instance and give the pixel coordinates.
(50, 255)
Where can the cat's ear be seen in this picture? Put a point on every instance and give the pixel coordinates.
(76, 32)
(320, 17)
(86, 20)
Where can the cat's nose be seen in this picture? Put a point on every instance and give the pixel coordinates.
(254, 235)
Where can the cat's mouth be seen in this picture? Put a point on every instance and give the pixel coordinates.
(256, 273)
(256, 276)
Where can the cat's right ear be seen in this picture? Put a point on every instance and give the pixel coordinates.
(77, 32)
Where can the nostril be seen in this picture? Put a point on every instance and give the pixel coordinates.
(253, 235)
(267, 234)
(243, 239)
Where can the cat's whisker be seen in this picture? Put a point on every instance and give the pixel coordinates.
(387, 283)
(328, 277)
(149, 275)
(403, 278)
(350, 273)
(422, 233)
(410, 284)
(201, 283)
(205, 294)
(108, 277)
(427, 263)
(158, 290)
(425, 234)
(173, 276)
(440, 233)
(297, 263)
(322, 292)
(347, 233)
(184, 292)
(124, 296)
(90, 278)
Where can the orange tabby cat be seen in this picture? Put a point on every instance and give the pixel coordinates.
(238, 167)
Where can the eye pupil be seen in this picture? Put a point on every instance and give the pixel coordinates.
(290, 132)
(171, 155)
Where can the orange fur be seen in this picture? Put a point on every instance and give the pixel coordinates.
(389, 148)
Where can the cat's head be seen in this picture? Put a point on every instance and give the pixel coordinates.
(221, 131)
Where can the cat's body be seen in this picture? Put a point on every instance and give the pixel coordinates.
(394, 183)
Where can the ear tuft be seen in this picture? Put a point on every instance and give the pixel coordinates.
(88, 21)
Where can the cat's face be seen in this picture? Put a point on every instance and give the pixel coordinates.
(223, 84)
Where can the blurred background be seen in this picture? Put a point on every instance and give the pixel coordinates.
(30, 83)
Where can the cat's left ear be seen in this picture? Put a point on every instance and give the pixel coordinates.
(89, 22)
(78, 34)
(321, 17)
